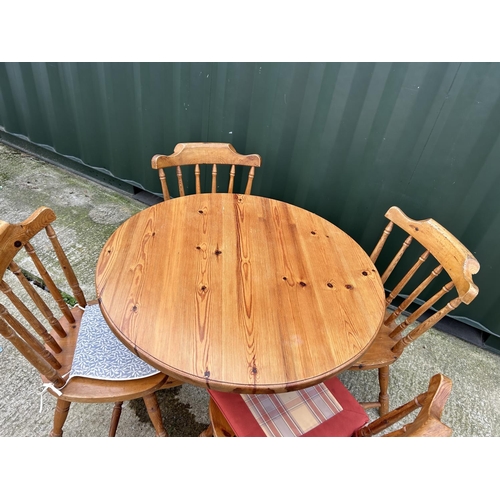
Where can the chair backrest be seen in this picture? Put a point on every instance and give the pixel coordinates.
(36, 311)
(428, 421)
(451, 256)
(200, 153)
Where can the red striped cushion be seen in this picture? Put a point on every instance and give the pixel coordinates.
(350, 418)
(292, 414)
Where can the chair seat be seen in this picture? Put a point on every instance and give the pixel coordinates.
(379, 353)
(350, 415)
(100, 355)
(85, 389)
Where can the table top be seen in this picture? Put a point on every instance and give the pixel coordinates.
(239, 293)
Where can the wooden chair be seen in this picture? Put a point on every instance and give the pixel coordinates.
(428, 421)
(199, 153)
(53, 355)
(395, 333)
(230, 416)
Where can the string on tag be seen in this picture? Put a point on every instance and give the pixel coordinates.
(44, 390)
(50, 385)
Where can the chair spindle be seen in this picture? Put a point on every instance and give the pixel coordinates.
(164, 187)
(49, 283)
(31, 355)
(179, 181)
(397, 289)
(214, 178)
(39, 302)
(425, 325)
(396, 259)
(232, 173)
(418, 290)
(251, 175)
(66, 267)
(33, 342)
(30, 317)
(384, 422)
(197, 178)
(378, 248)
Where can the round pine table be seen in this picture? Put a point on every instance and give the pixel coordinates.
(239, 293)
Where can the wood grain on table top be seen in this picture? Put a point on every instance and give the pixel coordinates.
(239, 293)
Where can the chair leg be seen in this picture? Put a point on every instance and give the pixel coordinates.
(115, 418)
(155, 414)
(60, 415)
(383, 379)
(218, 424)
(208, 432)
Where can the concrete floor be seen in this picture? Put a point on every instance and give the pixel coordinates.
(87, 215)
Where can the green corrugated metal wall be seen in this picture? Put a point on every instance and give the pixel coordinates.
(344, 140)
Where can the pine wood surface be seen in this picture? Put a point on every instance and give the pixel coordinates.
(239, 293)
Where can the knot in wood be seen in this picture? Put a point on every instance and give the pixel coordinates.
(349, 287)
(17, 244)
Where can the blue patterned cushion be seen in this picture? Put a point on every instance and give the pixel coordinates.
(100, 355)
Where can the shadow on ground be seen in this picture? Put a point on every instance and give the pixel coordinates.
(177, 417)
